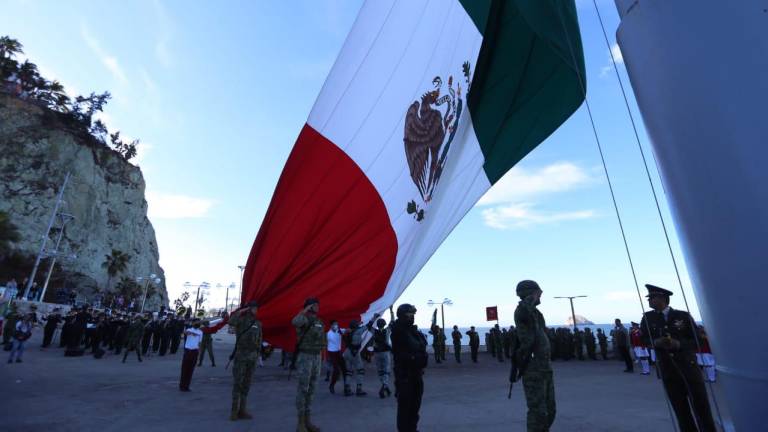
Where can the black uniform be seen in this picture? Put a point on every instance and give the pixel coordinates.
(474, 344)
(50, 328)
(679, 372)
(409, 351)
(456, 336)
(177, 327)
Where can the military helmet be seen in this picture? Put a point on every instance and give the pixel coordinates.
(405, 308)
(380, 323)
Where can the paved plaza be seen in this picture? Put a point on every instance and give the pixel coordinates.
(49, 392)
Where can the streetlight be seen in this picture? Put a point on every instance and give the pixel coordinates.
(242, 268)
(573, 314)
(152, 278)
(203, 285)
(445, 301)
(226, 302)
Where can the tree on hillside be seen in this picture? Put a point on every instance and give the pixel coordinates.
(115, 263)
(128, 288)
(179, 302)
(9, 234)
(10, 47)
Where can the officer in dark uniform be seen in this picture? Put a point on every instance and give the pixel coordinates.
(409, 351)
(671, 333)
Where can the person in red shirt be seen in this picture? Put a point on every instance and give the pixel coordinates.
(640, 350)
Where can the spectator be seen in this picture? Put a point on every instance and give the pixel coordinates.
(20, 336)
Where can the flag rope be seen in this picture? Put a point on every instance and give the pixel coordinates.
(613, 197)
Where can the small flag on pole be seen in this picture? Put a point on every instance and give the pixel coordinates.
(491, 313)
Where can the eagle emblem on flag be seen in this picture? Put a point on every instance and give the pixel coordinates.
(430, 126)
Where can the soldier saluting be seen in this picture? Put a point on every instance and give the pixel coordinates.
(533, 358)
(247, 348)
(672, 334)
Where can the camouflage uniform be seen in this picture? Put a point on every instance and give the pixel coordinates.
(308, 363)
(206, 345)
(248, 334)
(133, 339)
(589, 339)
(603, 342)
(537, 377)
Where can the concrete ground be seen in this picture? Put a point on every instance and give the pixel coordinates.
(55, 393)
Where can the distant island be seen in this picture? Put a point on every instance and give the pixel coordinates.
(580, 320)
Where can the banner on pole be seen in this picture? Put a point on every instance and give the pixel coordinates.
(491, 313)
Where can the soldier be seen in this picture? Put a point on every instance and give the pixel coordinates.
(533, 358)
(206, 345)
(474, 343)
(436, 332)
(409, 351)
(639, 348)
(456, 336)
(165, 335)
(498, 344)
(248, 338)
(133, 338)
(505, 342)
(602, 340)
(311, 342)
(621, 345)
(381, 352)
(146, 338)
(52, 321)
(352, 360)
(672, 334)
(177, 327)
(578, 340)
(489, 344)
(590, 341)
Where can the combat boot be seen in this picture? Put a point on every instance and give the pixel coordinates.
(347, 390)
(308, 424)
(235, 408)
(359, 391)
(302, 426)
(242, 413)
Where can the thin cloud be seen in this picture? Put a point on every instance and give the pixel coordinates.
(109, 61)
(523, 215)
(173, 206)
(164, 26)
(521, 184)
(618, 57)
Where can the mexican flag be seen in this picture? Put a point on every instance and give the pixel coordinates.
(428, 104)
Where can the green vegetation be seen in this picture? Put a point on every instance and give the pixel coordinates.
(115, 263)
(23, 80)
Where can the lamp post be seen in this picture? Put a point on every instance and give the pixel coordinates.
(152, 278)
(442, 304)
(573, 314)
(226, 301)
(203, 285)
(242, 268)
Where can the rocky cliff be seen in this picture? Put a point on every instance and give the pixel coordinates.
(105, 195)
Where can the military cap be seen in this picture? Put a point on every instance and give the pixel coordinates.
(526, 288)
(653, 290)
(311, 301)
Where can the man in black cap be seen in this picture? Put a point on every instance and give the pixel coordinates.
(671, 333)
(533, 358)
(409, 352)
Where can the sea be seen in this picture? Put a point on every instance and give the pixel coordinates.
(483, 330)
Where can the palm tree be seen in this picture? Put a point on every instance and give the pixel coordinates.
(10, 47)
(8, 234)
(29, 75)
(54, 95)
(115, 263)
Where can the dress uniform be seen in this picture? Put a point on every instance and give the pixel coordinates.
(671, 332)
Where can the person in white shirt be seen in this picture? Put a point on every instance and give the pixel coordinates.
(334, 355)
(194, 335)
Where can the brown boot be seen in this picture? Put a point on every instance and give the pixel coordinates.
(242, 413)
(235, 408)
(308, 423)
(302, 426)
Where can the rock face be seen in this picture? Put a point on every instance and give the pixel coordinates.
(105, 194)
(580, 320)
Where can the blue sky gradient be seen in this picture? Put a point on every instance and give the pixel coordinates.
(218, 94)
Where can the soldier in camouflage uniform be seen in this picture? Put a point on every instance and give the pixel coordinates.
(533, 358)
(133, 338)
(498, 343)
(578, 340)
(247, 351)
(602, 340)
(206, 345)
(311, 342)
(589, 339)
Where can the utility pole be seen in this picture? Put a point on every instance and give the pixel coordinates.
(59, 200)
(65, 217)
(242, 268)
(573, 314)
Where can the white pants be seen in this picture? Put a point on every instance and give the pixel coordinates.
(641, 354)
(707, 362)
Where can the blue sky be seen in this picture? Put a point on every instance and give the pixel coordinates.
(217, 96)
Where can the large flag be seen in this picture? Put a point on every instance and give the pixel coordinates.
(428, 104)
